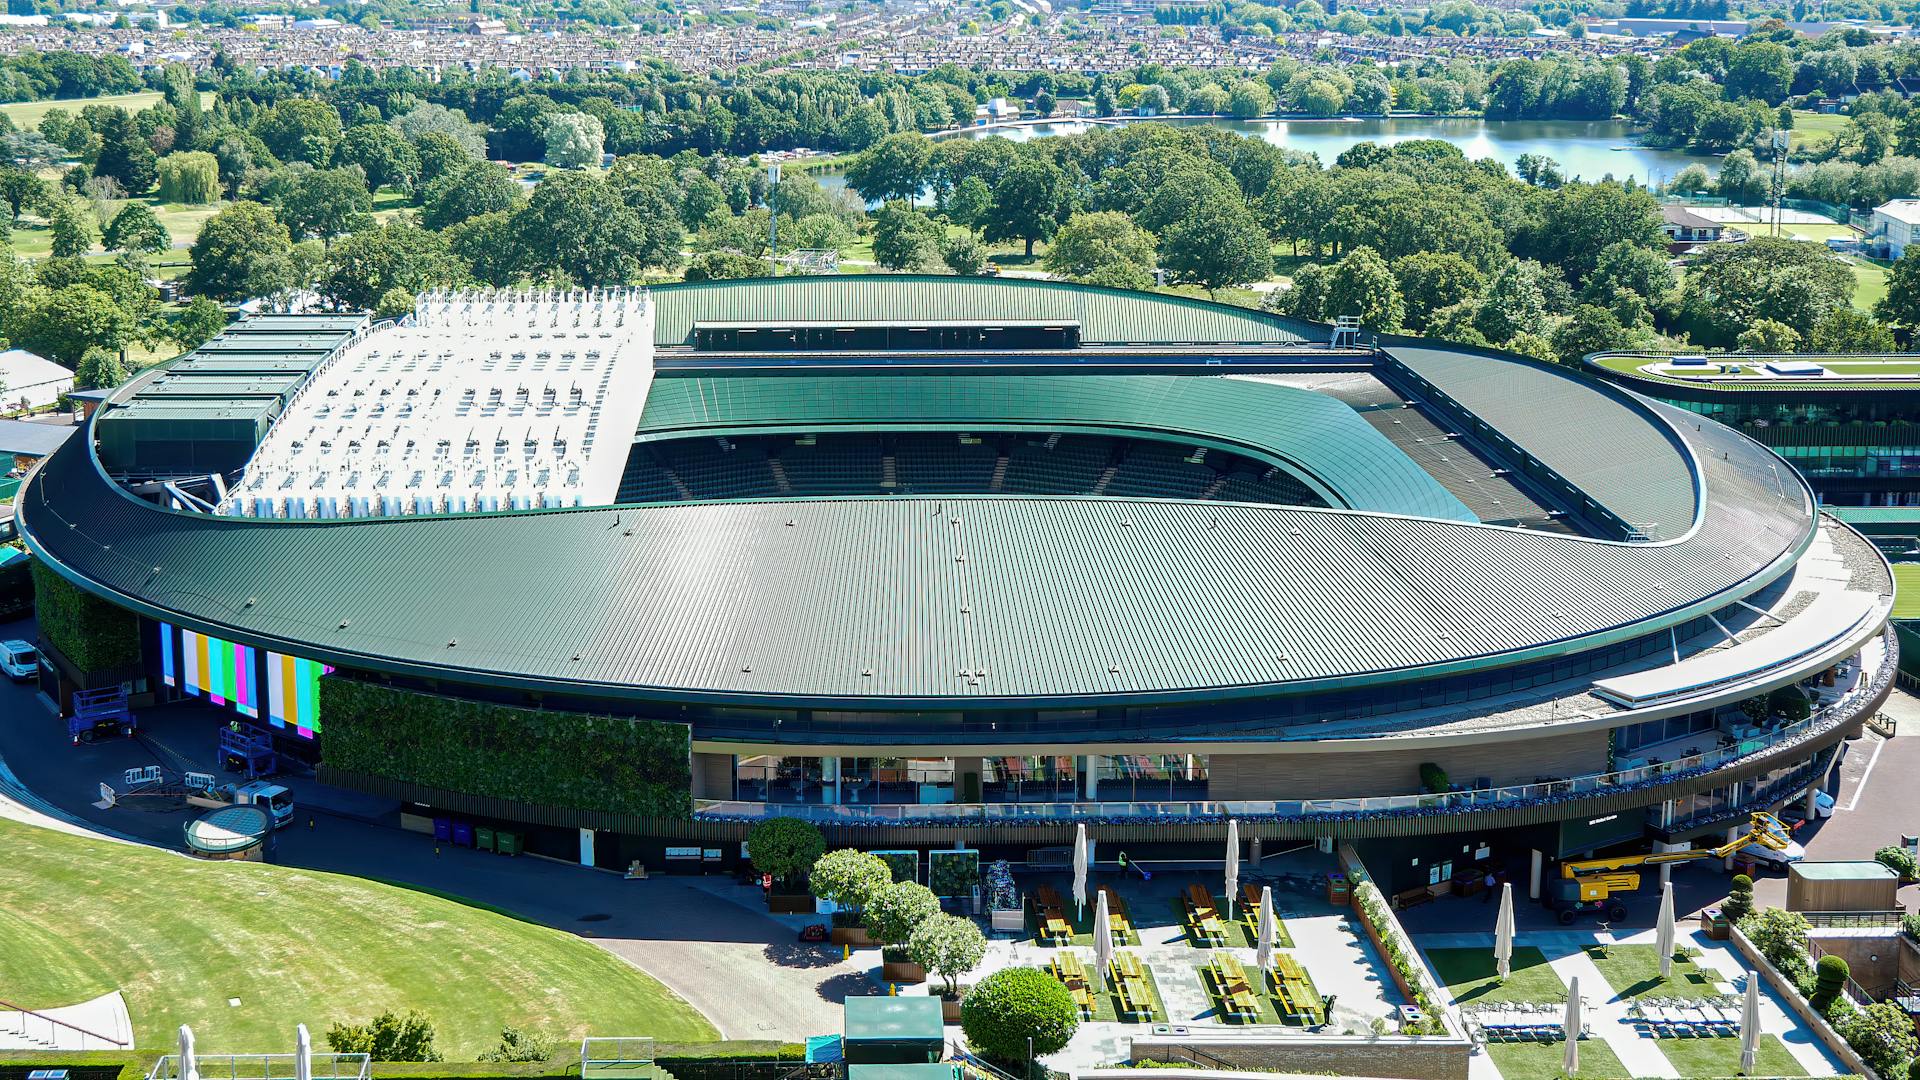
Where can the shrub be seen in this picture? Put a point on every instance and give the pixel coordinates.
(848, 877)
(1789, 702)
(389, 1037)
(1910, 925)
(1739, 899)
(896, 910)
(518, 1045)
(1433, 777)
(948, 946)
(1883, 1037)
(1781, 937)
(1830, 978)
(1754, 708)
(1913, 1069)
(1016, 1004)
(785, 847)
(93, 634)
(1897, 860)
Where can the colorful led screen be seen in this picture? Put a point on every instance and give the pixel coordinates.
(226, 673)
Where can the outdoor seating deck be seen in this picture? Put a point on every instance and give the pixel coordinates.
(1073, 975)
(1203, 920)
(1294, 991)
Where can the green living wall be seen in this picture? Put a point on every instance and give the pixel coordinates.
(91, 633)
(532, 756)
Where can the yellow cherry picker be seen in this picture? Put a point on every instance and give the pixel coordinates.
(1596, 884)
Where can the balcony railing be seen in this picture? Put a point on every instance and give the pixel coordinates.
(1330, 810)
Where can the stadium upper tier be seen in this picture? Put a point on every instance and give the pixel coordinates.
(997, 600)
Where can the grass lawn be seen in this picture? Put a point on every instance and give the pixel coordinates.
(1634, 970)
(1871, 368)
(1468, 975)
(180, 937)
(1906, 591)
(1696, 1058)
(1869, 282)
(28, 114)
(1812, 127)
(1106, 1005)
(1822, 232)
(1539, 1061)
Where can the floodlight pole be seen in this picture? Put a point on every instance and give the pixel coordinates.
(773, 218)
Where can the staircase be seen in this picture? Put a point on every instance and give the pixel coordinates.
(779, 476)
(679, 485)
(889, 474)
(999, 480)
(1106, 477)
(1213, 486)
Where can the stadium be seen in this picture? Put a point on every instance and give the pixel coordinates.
(955, 560)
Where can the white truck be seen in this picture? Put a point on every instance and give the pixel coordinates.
(276, 800)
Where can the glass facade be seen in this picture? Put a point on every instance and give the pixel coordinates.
(1833, 438)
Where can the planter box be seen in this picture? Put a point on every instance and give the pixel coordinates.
(903, 971)
(855, 936)
(950, 1010)
(790, 903)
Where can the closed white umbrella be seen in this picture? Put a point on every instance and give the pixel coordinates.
(302, 1053)
(1233, 864)
(1750, 1026)
(1570, 1063)
(1102, 936)
(1079, 870)
(1503, 932)
(1664, 934)
(1268, 924)
(189, 1067)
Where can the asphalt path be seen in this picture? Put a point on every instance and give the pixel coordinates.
(705, 938)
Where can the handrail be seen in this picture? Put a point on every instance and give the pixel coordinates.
(1453, 801)
(11, 1007)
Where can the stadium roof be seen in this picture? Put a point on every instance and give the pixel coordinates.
(1020, 601)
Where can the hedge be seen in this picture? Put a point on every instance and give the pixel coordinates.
(554, 758)
(134, 1065)
(91, 633)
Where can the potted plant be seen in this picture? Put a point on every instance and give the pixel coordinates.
(784, 849)
(892, 916)
(849, 879)
(948, 946)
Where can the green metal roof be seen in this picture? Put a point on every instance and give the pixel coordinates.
(1311, 435)
(892, 1019)
(1105, 315)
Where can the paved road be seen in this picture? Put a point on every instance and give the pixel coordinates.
(702, 937)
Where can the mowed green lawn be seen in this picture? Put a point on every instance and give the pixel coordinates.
(1634, 971)
(179, 938)
(1541, 1061)
(1906, 590)
(1721, 1057)
(1869, 282)
(1470, 977)
(28, 114)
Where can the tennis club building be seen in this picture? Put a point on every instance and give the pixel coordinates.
(939, 560)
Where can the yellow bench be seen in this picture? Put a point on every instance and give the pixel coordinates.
(1236, 995)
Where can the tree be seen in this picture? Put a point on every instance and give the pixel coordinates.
(1306, 297)
(243, 251)
(1628, 267)
(1767, 336)
(480, 188)
(1104, 246)
(965, 254)
(1882, 1034)
(125, 154)
(574, 140)
(850, 878)
(1514, 303)
(486, 244)
(785, 847)
(197, 323)
(1432, 280)
(72, 228)
(1781, 937)
(1739, 899)
(1762, 70)
(323, 203)
(969, 201)
(382, 154)
(576, 224)
(1220, 244)
(22, 191)
(726, 265)
(1362, 285)
(368, 264)
(1849, 330)
(1580, 220)
(388, 1038)
(1249, 99)
(300, 129)
(191, 177)
(949, 946)
(1788, 281)
(1015, 1005)
(425, 122)
(896, 167)
(905, 238)
(99, 369)
(1901, 305)
(136, 229)
(892, 912)
(1589, 329)
(1028, 203)
(62, 324)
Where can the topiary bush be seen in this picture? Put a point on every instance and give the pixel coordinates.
(785, 847)
(1829, 978)
(1013, 1005)
(1432, 777)
(948, 946)
(1898, 860)
(1739, 899)
(896, 910)
(850, 878)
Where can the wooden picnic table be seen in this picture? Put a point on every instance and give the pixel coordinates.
(1118, 920)
(1202, 917)
(1130, 981)
(1236, 995)
(1073, 975)
(1295, 991)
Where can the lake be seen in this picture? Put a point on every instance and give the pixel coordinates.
(1585, 149)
